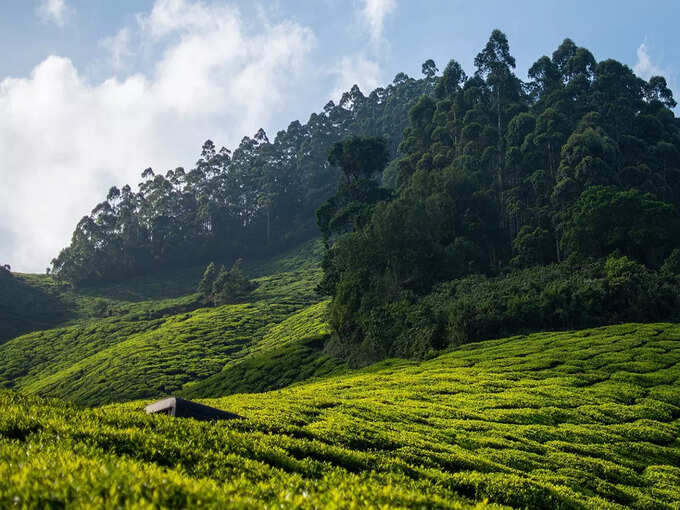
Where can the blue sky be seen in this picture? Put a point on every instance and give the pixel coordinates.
(94, 91)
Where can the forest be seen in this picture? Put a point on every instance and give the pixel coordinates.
(258, 200)
(512, 206)
(453, 207)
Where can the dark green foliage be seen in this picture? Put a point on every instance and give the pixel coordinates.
(554, 297)
(479, 307)
(671, 266)
(361, 161)
(205, 286)
(604, 220)
(532, 247)
(29, 302)
(497, 175)
(231, 286)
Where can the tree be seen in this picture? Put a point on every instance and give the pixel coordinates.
(493, 175)
(604, 220)
(429, 69)
(657, 90)
(255, 201)
(546, 77)
(495, 64)
(532, 247)
(450, 81)
(361, 161)
(231, 286)
(359, 158)
(205, 286)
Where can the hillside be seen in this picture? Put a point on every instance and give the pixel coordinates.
(586, 419)
(151, 336)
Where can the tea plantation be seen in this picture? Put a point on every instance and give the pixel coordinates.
(152, 336)
(586, 419)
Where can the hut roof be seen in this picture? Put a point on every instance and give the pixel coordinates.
(180, 408)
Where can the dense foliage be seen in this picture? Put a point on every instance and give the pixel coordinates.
(494, 175)
(540, 298)
(575, 420)
(257, 200)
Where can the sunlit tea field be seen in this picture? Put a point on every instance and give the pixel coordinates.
(585, 419)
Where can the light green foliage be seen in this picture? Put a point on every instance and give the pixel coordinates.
(155, 347)
(586, 419)
(289, 352)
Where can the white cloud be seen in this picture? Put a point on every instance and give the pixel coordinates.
(169, 16)
(118, 47)
(644, 67)
(54, 11)
(65, 140)
(374, 13)
(356, 70)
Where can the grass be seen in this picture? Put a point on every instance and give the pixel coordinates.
(146, 343)
(585, 419)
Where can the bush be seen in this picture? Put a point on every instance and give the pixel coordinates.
(478, 307)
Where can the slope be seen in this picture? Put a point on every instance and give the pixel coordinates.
(586, 419)
(29, 302)
(150, 346)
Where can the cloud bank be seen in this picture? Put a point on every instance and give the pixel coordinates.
(65, 140)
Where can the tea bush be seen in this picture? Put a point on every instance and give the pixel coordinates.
(584, 419)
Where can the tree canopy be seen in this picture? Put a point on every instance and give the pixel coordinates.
(494, 174)
(255, 200)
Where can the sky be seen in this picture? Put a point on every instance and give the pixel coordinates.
(94, 91)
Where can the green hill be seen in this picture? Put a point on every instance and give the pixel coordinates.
(586, 419)
(153, 337)
(453, 209)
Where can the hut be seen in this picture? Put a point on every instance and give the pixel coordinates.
(180, 408)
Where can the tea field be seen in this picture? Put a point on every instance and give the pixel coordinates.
(584, 419)
(152, 336)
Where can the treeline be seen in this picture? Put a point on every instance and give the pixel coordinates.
(494, 175)
(255, 200)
